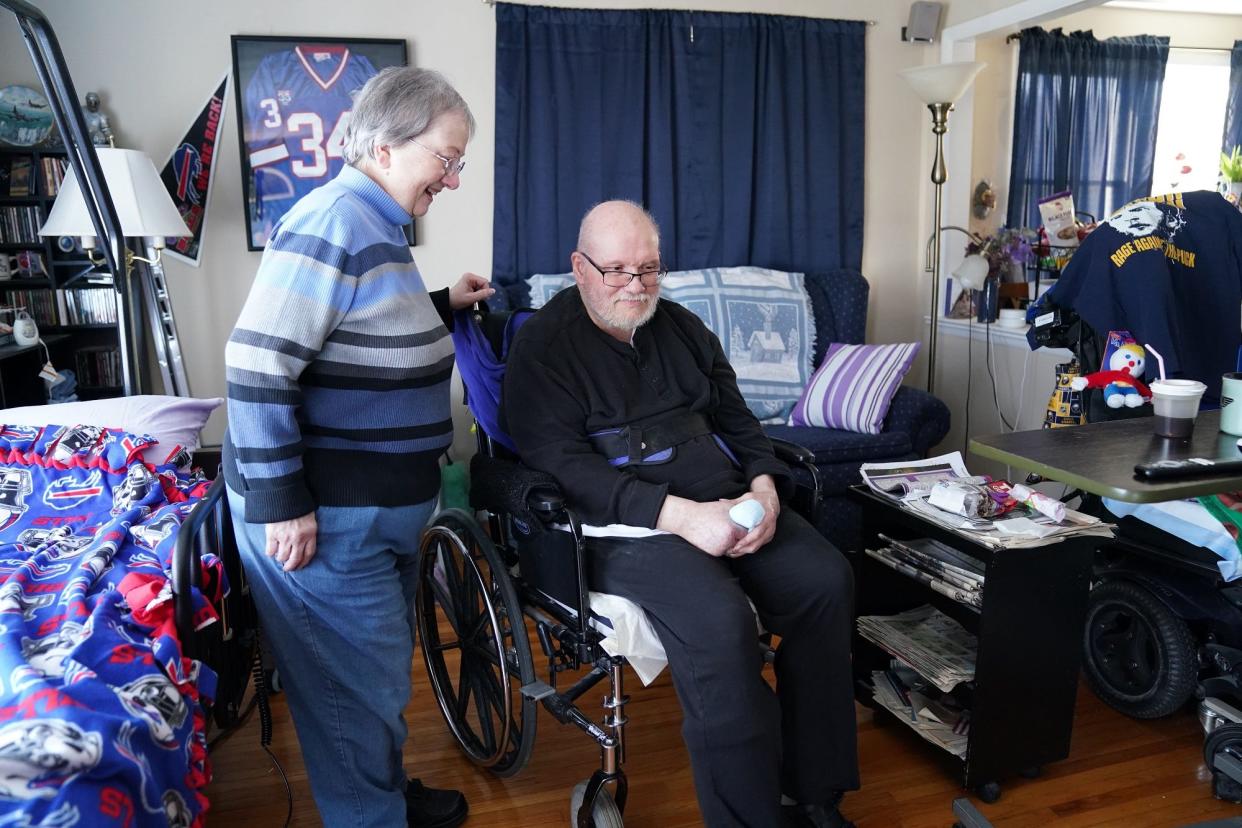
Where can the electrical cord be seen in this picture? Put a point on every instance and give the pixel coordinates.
(970, 352)
(992, 376)
(265, 721)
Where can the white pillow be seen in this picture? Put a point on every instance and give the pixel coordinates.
(174, 421)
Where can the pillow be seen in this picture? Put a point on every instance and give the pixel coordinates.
(854, 386)
(173, 421)
(762, 318)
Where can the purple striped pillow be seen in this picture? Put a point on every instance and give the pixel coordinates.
(854, 386)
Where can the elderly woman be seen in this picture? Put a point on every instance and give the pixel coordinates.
(338, 386)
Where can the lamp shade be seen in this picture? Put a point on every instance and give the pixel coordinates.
(142, 203)
(942, 82)
(972, 272)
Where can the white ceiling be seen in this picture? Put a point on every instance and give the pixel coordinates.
(1233, 7)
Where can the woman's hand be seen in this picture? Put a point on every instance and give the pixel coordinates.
(470, 288)
(292, 542)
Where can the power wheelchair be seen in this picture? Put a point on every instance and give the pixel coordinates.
(519, 555)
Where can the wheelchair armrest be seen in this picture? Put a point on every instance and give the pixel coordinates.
(792, 453)
(545, 501)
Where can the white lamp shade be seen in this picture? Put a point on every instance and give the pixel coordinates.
(142, 203)
(942, 82)
(972, 272)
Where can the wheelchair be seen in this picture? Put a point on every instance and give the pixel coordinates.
(519, 557)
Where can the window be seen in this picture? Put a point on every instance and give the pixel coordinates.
(1191, 122)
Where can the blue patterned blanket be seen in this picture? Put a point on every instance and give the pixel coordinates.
(101, 720)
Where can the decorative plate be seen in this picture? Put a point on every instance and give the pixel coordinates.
(25, 117)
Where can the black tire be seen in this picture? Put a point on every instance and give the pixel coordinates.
(604, 811)
(989, 792)
(466, 602)
(1138, 656)
(1224, 737)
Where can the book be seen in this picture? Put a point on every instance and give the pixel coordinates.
(19, 176)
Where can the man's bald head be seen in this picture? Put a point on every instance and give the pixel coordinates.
(606, 217)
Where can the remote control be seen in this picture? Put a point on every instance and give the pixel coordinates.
(748, 514)
(1190, 467)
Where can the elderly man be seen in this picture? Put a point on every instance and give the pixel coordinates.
(630, 403)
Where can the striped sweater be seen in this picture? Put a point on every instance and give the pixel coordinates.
(338, 369)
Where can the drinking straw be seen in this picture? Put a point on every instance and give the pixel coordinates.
(1159, 359)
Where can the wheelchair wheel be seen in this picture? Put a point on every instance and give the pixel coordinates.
(1138, 656)
(604, 813)
(475, 643)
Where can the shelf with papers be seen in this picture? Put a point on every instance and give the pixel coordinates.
(1028, 627)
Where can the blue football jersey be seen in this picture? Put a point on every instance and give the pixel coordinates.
(297, 106)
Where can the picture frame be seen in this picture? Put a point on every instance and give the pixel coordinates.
(293, 100)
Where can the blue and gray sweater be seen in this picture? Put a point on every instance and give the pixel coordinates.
(338, 369)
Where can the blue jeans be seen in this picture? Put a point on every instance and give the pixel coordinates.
(341, 630)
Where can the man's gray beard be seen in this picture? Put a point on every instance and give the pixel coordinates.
(626, 323)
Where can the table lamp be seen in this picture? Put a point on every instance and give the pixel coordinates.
(939, 87)
(146, 211)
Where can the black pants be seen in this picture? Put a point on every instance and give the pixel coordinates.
(746, 745)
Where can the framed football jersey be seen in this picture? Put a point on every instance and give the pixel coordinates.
(294, 96)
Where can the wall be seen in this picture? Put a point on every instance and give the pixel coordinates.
(154, 64)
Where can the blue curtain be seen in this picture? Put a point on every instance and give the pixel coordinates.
(1233, 110)
(1085, 116)
(741, 133)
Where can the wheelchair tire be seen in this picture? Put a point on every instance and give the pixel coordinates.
(1138, 656)
(466, 604)
(604, 813)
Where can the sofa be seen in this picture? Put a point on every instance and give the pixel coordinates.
(915, 423)
(832, 304)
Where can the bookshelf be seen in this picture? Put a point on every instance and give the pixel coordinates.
(76, 313)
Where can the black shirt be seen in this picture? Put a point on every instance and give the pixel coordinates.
(565, 379)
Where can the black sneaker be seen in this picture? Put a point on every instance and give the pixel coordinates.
(813, 816)
(433, 808)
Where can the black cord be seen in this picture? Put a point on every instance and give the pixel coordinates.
(970, 353)
(265, 721)
(987, 357)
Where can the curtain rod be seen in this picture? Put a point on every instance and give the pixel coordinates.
(1225, 49)
(868, 22)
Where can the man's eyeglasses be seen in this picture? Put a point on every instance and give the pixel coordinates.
(621, 278)
(452, 166)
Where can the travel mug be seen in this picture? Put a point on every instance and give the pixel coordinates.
(1231, 403)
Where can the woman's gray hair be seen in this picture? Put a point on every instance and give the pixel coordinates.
(396, 105)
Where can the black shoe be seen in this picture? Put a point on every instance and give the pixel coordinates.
(813, 816)
(433, 808)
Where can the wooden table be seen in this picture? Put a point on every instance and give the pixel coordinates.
(1100, 457)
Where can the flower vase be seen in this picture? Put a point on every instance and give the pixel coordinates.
(988, 300)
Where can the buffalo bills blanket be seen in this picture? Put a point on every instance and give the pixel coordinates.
(101, 720)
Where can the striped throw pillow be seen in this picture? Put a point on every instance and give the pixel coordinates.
(853, 387)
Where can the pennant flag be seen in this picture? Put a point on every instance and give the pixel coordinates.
(190, 171)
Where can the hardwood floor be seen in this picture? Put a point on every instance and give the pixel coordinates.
(1121, 773)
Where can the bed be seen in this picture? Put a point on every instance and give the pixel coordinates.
(104, 702)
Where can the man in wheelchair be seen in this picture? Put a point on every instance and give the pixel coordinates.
(630, 403)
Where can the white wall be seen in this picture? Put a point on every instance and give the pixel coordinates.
(155, 63)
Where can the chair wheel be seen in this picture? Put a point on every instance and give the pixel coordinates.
(604, 813)
(989, 792)
(475, 644)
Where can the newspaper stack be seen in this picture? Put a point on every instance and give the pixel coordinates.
(939, 648)
(935, 721)
(942, 568)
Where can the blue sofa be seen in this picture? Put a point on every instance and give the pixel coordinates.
(916, 421)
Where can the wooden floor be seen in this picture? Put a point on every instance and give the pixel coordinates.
(1121, 772)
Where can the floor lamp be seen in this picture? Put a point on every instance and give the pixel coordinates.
(939, 87)
(146, 211)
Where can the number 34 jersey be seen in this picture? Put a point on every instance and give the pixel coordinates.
(297, 107)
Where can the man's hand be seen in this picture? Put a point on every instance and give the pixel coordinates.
(763, 490)
(704, 525)
(470, 288)
(292, 542)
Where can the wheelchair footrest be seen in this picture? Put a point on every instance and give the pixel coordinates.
(537, 690)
